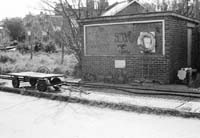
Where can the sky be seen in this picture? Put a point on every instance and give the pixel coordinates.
(19, 8)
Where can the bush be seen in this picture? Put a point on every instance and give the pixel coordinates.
(38, 46)
(77, 70)
(50, 48)
(23, 48)
(5, 59)
(57, 70)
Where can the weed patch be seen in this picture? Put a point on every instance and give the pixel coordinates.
(5, 59)
(17, 62)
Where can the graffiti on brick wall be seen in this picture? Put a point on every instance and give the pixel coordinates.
(121, 39)
(124, 39)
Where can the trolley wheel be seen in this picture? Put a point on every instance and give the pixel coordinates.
(42, 85)
(55, 81)
(15, 82)
(32, 81)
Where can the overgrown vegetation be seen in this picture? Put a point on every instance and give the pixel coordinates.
(15, 28)
(17, 62)
(48, 47)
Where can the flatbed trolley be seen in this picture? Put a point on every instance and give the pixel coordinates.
(40, 80)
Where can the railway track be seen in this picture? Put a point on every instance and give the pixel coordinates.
(129, 90)
(140, 90)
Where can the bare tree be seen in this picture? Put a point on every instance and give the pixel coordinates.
(188, 8)
(70, 33)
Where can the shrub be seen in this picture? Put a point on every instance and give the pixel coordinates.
(50, 47)
(77, 70)
(5, 59)
(57, 70)
(23, 48)
(38, 46)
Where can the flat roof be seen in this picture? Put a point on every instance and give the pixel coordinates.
(140, 15)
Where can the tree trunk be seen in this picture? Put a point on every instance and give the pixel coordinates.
(197, 9)
(63, 54)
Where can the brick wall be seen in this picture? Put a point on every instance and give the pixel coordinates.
(161, 68)
(137, 67)
(176, 41)
(176, 45)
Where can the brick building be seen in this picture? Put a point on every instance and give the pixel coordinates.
(145, 46)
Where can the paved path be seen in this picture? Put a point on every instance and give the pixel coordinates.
(30, 117)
